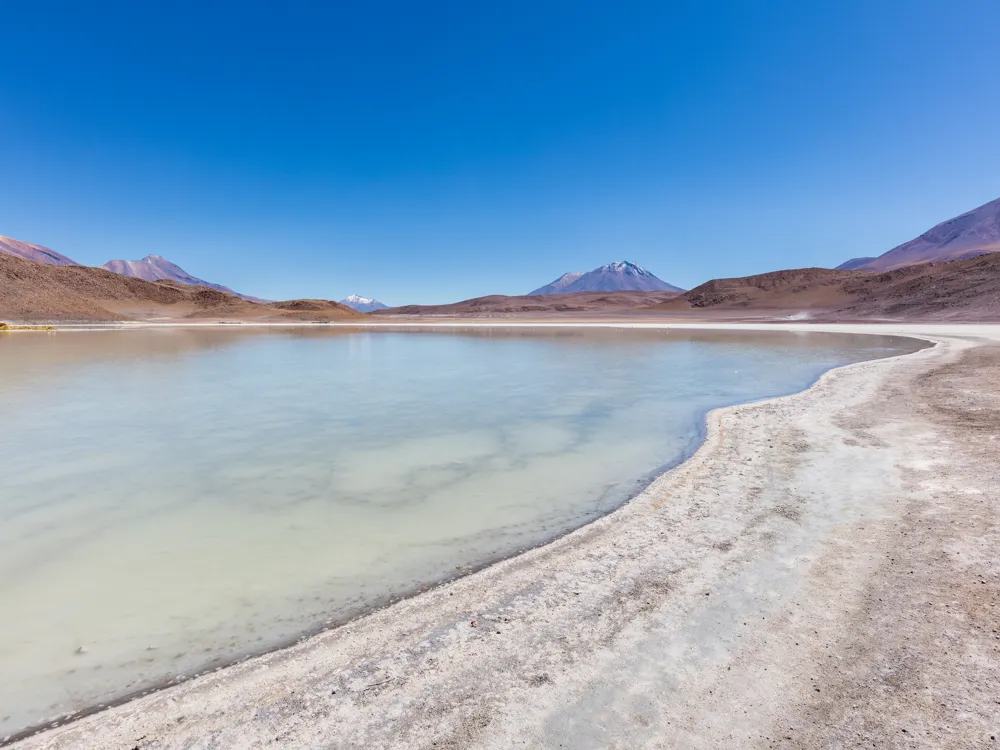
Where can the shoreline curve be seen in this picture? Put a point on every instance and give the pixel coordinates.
(704, 452)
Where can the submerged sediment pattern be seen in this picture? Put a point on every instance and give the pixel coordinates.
(184, 498)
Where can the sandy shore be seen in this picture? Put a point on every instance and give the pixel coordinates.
(822, 573)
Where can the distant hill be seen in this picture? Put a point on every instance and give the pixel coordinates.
(36, 253)
(158, 268)
(966, 289)
(318, 309)
(31, 291)
(854, 263)
(363, 304)
(973, 233)
(498, 305)
(614, 277)
(559, 285)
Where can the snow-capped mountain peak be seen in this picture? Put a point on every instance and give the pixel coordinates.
(625, 266)
(622, 275)
(363, 304)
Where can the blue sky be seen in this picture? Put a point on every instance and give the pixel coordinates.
(428, 152)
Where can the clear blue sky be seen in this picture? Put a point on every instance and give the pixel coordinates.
(425, 152)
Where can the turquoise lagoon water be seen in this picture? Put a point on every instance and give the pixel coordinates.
(172, 500)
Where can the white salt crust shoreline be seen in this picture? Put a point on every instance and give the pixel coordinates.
(718, 608)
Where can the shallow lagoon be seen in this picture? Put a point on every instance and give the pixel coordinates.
(175, 499)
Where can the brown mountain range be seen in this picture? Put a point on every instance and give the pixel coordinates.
(973, 233)
(538, 304)
(158, 268)
(31, 291)
(960, 290)
(37, 253)
(150, 268)
(58, 290)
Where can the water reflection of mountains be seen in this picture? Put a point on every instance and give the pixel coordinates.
(67, 348)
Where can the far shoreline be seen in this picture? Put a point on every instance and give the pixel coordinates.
(879, 327)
